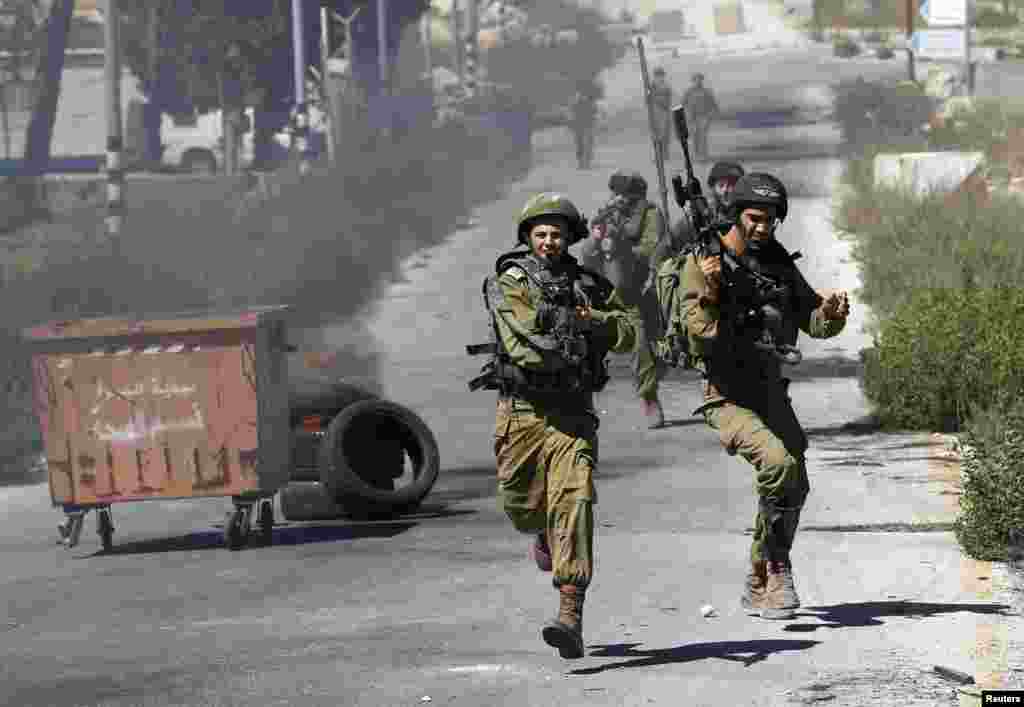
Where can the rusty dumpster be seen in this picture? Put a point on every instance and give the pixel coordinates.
(182, 406)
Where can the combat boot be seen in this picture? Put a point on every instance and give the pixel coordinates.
(542, 552)
(752, 598)
(654, 414)
(566, 632)
(780, 600)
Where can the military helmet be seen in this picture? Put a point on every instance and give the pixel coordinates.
(551, 204)
(724, 170)
(759, 189)
(628, 183)
(698, 76)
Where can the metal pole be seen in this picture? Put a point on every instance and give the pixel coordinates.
(911, 8)
(299, 53)
(115, 136)
(382, 42)
(472, 46)
(456, 32)
(968, 69)
(325, 102)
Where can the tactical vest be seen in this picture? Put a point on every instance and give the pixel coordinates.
(584, 367)
(757, 300)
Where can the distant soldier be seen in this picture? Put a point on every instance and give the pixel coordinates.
(640, 225)
(584, 120)
(661, 98)
(701, 108)
(722, 179)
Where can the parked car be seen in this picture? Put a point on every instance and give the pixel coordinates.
(196, 143)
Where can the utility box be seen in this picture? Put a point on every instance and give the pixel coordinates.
(183, 406)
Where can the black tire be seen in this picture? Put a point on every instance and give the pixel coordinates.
(347, 461)
(236, 529)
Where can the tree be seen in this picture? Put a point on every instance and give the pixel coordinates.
(49, 68)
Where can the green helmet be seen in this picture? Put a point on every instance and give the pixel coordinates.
(551, 204)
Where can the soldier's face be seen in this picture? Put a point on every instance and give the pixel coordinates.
(723, 188)
(547, 239)
(758, 224)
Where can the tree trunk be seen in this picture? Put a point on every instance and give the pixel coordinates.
(47, 81)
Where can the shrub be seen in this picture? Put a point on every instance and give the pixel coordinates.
(988, 17)
(945, 354)
(845, 47)
(872, 114)
(976, 124)
(992, 503)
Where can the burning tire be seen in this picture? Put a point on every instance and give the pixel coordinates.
(378, 457)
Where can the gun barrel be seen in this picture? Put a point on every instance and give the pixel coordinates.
(679, 118)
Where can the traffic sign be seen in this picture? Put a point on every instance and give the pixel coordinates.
(942, 44)
(944, 13)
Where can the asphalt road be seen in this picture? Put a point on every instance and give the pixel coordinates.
(444, 604)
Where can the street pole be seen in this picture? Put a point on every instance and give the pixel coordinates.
(115, 130)
(472, 47)
(911, 8)
(382, 42)
(456, 32)
(298, 49)
(968, 68)
(325, 103)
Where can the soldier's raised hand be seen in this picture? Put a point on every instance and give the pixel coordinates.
(836, 305)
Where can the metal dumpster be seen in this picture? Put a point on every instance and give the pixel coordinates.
(182, 406)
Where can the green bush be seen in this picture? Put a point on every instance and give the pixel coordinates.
(988, 17)
(982, 124)
(992, 503)
(845, 47)
(872, 114)
(946, 353)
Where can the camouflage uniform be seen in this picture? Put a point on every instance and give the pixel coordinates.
(701, 108)
(545, 435)
(747, 403)
(661, 98)
(641, 225)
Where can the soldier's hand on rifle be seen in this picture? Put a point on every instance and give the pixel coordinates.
(584, 313)
(712, 269)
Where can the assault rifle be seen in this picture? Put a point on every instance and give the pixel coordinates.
(753, 302)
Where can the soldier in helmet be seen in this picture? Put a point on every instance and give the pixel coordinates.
(553, 324)
(639, 224)
(701, 108)
(722, 179)
(661, 98)
(727, 311)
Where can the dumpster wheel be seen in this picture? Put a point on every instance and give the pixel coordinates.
(236, 529)
(105, 528)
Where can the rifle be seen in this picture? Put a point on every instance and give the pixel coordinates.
(751, 299)
(659, 152)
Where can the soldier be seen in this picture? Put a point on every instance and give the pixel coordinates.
(722, 180)
(629, 216)
(553, 325)
(701, 108)
(584, 119)
(661, 98)
(745, 396)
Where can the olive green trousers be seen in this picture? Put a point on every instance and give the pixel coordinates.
(773, 442)
(546, 455)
